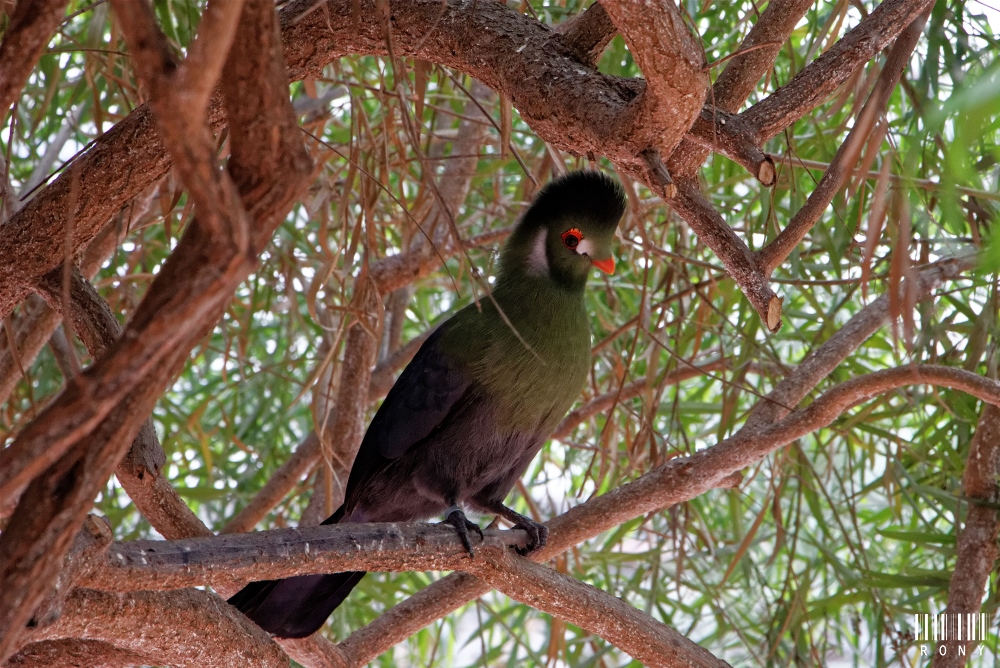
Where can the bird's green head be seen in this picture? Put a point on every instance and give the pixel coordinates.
(568, 230)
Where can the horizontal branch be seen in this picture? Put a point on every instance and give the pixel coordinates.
(281, 553)
(158, 565)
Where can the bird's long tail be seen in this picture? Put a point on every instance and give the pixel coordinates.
(296, 607)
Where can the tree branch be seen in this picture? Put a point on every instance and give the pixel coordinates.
(181, 114)
(673, 63)
(269, 166)
(31, 27)
(280, 553)
(743, 71)
(74, 653)
(588, 33)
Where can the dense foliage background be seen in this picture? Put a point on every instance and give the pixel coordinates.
(820, 557)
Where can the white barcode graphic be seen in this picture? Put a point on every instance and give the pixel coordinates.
(971, 627)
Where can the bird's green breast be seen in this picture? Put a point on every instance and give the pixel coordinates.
(532, 389)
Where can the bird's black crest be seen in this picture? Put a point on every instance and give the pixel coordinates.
(588, 194)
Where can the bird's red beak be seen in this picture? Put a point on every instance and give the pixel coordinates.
(607, 265)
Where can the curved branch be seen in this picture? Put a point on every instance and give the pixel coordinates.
(673, 63)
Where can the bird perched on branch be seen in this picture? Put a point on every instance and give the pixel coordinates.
(473, 407)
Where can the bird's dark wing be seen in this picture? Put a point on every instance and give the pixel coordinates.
(423, 396)
(427, 391)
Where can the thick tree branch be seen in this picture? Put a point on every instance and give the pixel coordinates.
(728, 135)
(976, 551)
(181, 113)
(846, 159)
(673, 63)
(76, 653)
(31, 26)
(269, 166)
(285, 552)
(279, 553)
(139, 470)
(742, 73)
(37, 320)
(87, 551)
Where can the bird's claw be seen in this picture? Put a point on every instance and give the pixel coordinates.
(538, 534)
(462, 525)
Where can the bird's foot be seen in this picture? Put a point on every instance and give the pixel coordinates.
(462, 525)
(538, 534)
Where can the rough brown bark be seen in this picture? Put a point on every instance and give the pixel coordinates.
(179, 628)
(31, 26)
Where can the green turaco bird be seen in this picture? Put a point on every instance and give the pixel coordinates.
(473, 407)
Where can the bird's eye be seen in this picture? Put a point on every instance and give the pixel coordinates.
(571, 238)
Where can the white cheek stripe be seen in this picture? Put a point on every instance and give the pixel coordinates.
(585, 247)
(538, 261)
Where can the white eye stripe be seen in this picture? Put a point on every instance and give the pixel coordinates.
(538, 261)
(584, 247)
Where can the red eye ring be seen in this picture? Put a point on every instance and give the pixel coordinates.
(571, 238)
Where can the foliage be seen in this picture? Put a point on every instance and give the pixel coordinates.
(821, 555)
